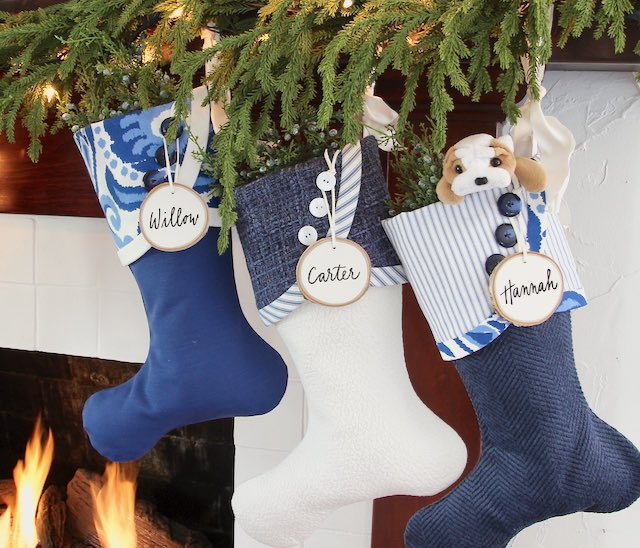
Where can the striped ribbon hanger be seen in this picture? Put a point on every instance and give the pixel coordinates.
(346, 206)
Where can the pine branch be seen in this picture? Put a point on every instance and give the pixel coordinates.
(279, 59)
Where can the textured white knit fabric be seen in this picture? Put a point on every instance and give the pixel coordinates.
(369, 435)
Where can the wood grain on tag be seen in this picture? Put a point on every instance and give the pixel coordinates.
(173, 221)
(526, 292)
(334, 276)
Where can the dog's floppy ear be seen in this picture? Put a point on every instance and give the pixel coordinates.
(445, 194)
(443, 188)
(531, 174)
(505, 141)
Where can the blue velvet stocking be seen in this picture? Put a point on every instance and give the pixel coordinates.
(544, 451)
(205, 362)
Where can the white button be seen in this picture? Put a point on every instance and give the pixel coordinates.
(307, 235)
(326, 180)
(318, 208)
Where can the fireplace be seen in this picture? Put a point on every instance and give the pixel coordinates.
(187, 477)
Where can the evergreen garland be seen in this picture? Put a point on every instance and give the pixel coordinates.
(418, 168)
(279, 59)
(77, 47)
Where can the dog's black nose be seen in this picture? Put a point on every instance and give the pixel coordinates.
(481, 181)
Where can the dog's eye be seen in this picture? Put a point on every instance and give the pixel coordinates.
(495, 162)
(458, 169)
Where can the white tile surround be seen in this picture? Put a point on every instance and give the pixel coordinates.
(62, 289)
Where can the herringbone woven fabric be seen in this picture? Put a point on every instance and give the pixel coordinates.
(544, 451)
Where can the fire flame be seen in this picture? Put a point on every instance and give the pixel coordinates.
(5, 527)
(18, 523)
(114, 507)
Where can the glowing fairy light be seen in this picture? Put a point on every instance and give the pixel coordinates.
(347, 4)
(50, 92)
(177, 13)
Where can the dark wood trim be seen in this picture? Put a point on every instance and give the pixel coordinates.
(57, 185)
(14, 6)
(587, 53)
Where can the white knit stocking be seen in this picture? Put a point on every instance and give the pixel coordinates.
(368, 436)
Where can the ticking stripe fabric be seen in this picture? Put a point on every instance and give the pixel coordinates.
(444, 248)
(349, 190)
(272, 210)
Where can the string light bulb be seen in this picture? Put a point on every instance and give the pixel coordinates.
(346, 4)
(148, 54)
(50, 92)
(177, 13)
(413, 39)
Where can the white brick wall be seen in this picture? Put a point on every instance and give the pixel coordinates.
(63, 290)
(602, 109)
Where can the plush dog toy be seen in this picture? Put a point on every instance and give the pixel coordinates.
(481, 162)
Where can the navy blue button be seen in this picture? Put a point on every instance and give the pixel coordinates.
(492, 261)
(164, 126)
(152, 179)
(159, 155)
(506, 235)
(509, 204)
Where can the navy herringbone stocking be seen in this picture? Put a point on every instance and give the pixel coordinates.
(544, 452)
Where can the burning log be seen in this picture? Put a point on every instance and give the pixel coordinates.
(18, 522)
(7, 493)
(153, 529)
(51, 517)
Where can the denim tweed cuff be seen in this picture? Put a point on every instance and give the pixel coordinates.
(272, 209)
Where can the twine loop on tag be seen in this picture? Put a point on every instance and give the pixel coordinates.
(331, 213)
(170, 175)
(519, 227)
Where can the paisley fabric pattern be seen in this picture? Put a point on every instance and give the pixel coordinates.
(118, 152)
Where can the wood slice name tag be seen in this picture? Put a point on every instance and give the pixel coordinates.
(334, 276)
(173, 221)
(526, 293)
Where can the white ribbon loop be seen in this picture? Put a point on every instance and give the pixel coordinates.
(218, 114)
(544, 138)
